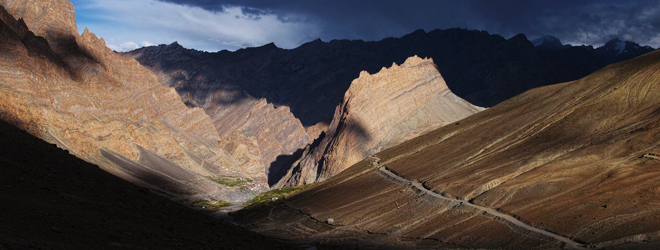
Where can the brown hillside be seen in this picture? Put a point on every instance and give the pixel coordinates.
(576, 161)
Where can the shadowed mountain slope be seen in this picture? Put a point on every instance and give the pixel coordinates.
(578, 162)
(53, 200)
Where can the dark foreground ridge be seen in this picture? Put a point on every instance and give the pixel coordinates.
(53, 200)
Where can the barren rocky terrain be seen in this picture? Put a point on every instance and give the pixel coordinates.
(577, 160)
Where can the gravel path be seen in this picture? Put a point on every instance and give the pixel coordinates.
(569, 243)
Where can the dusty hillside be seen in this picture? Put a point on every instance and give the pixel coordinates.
(71, 90)
(378, 112)
(571, 165)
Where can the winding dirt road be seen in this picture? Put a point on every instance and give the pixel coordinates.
(570, 244)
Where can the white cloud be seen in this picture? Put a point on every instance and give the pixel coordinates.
(127, 46)
(123, 21)
(146, 44)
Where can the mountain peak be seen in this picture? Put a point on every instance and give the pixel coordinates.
(545, 39)
(549, 43)
(617, 45)
(372, 114)
(270, 46)
(175, 44)
(416, 34)
(519, 36)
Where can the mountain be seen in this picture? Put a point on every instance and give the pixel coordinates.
(380, 111)
(612, 52)
(311, 80)
(251, 129)
(616, 50)
(307, 83)
(53, 200)
(549, 43)
(72, 91)
(573, 165)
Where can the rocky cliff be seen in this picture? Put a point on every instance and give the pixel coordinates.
(71, 90)
(251, 129)
(380, 111)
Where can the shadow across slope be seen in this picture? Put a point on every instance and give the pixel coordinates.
(53, 200)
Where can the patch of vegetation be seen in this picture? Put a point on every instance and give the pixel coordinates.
(273, 195)
(231, 181)
(211, 204)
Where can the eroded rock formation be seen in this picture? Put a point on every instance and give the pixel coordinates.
(71, 90)
(380, 111)
(260, 134)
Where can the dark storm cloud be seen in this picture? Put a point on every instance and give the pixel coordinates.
(582, 22)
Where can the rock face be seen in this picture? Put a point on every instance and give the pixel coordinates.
(70, 90)
(261, 135)
(380, 111)
(252, 130)
(577, 161)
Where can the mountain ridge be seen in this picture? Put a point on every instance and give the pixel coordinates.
(311, 80)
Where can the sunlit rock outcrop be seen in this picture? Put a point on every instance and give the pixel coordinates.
(380, 111)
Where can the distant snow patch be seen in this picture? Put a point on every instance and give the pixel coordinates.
(539, 41)
(620, 46)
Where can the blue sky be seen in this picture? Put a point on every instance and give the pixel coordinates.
(213, 25)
